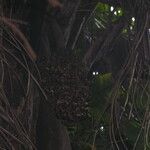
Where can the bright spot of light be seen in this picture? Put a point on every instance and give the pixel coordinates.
(115, 13)
(119, 11)
(131, 28)
(102, 128)
(94, 73)
(133, 19)
(111, 8)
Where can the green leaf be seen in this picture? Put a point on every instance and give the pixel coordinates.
(131, 130)
(101, 89)
(102, 7)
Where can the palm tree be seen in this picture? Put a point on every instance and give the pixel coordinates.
(39, 42)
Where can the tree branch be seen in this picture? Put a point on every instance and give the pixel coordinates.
(111, 2)
(100, 48)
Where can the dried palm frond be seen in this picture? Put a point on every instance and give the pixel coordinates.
(55, 3)
(20, 36)
(137, 71)
(18, 89)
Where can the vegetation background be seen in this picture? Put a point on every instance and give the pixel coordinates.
(74, 74)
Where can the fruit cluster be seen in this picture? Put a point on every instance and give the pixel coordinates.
(65, 82)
